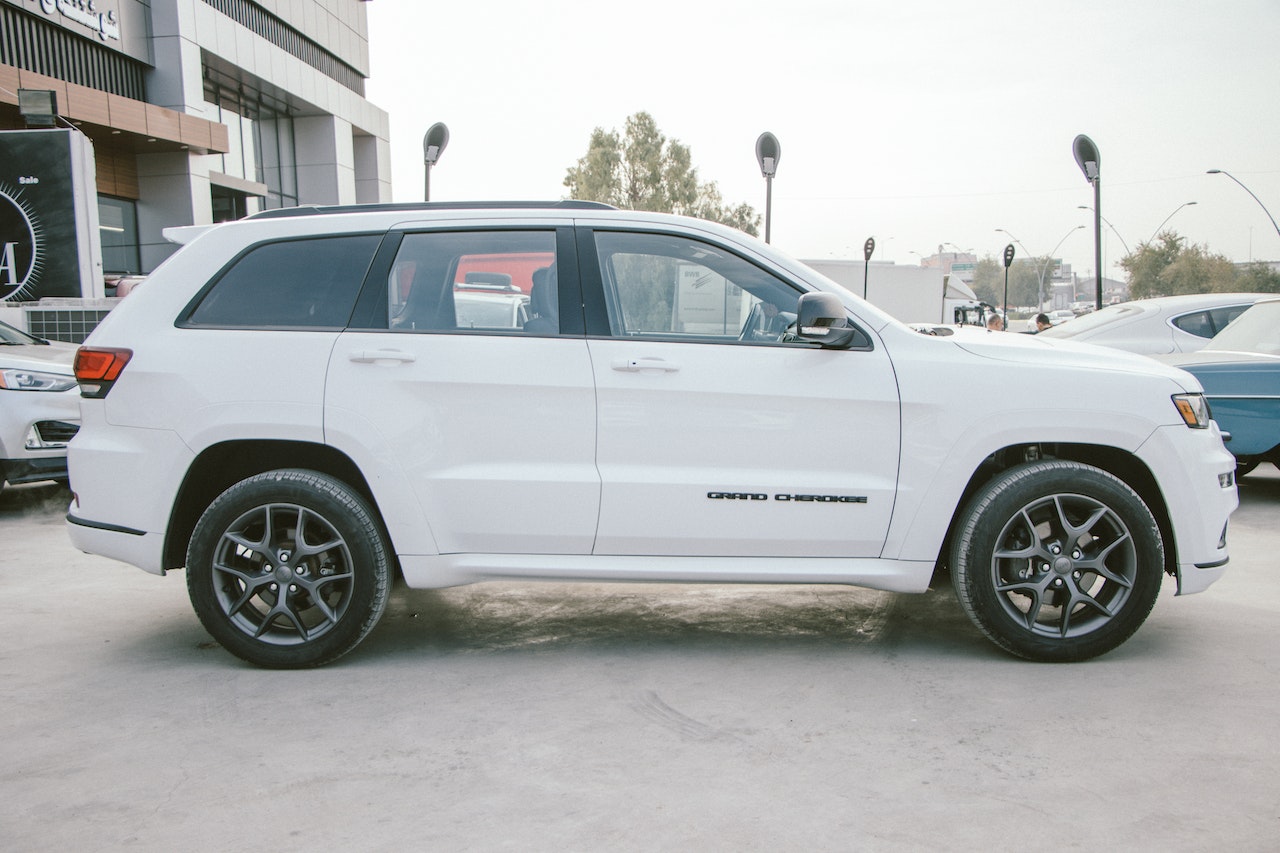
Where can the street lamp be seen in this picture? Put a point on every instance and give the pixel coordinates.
(1090, 161)
(868, 249)
(433, 143)
(1156, 233)
(1008, 259)
(1250, 192)
(768, 153)
(1113, 228)
(1041, 269)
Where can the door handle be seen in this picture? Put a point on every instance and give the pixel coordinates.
(373, 356)
(644, 365)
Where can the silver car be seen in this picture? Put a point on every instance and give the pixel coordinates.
(39, 406)
(1163, 324)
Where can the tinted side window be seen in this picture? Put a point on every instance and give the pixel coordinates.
(1196, 323)
(1223, 316)
(484, 281)
(291, 284)
(674, 287)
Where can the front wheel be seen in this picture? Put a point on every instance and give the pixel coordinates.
(288, 569)
(1057, 561)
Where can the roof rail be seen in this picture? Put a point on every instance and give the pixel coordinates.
(320, 209)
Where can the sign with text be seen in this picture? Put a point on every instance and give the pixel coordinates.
(49, 242)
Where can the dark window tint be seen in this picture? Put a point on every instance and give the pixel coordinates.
(1223, 316)
(298, 283)
(1196, 323)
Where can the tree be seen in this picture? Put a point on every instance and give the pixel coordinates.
(1024, 280)
(1258, 278)
(642, 169)
(1168, 266)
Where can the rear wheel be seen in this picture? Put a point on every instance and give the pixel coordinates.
(1057, 561)
(288, 569)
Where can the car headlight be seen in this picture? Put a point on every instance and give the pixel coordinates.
(32, 380)
(1194, 409)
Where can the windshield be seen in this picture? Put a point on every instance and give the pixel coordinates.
(1256, 330)
(1095, 320)
(9, 336)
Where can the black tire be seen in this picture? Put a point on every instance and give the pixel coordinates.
(301, 534)
(1245, 468)
(1057, 561)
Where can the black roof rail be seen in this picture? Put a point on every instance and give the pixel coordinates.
(419, 206)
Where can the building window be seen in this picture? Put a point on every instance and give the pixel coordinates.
(228, 205)
(118, 225)
(260, 133)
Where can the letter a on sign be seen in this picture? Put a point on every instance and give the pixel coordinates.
(8, 267)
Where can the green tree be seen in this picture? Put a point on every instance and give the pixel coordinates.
(1168, 266)
(641, 169)
(1258, 278)
(1024, 280)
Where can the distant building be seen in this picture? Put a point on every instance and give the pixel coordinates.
(201, 111)
(959, 264)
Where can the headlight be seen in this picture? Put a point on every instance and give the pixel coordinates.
(31, 380)
(1194, 410)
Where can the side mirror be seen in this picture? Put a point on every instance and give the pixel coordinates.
(823, 319)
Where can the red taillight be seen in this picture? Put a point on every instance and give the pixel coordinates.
(97, 369)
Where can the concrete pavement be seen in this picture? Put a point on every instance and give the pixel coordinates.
(631, 717)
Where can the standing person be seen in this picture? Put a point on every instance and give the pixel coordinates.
(1042, 322)
(995, 323)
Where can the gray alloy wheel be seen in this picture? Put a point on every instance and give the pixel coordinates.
(288, 569)
(1057, 561)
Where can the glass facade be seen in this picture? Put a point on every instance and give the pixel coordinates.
(118, 225)
(260, 132)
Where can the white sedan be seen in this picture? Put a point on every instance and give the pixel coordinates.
(39, 407)
(1163, 324)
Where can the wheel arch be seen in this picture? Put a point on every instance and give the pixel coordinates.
(221, 466)
(1120, 463)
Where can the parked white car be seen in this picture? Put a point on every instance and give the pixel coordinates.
(261, 415)
(39, 407)
(1159, 325)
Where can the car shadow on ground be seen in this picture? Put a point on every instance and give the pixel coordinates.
(500, 618)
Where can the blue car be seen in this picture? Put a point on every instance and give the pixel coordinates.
(1240, 371)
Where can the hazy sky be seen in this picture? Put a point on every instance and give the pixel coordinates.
(913, 121)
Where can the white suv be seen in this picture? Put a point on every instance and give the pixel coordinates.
(292, 411)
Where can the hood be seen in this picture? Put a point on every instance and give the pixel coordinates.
(55, 357)
(1033, 349)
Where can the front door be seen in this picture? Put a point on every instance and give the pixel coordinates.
(719, 434)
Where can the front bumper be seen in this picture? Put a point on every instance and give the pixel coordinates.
(35, 428)
(1197, 477)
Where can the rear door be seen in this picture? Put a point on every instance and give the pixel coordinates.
(492, 426)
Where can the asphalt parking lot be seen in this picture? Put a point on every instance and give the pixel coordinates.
(631, 717)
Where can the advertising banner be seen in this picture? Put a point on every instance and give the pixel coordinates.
(49, 241)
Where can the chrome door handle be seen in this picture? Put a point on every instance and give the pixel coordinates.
(373, 356)
(644, 365)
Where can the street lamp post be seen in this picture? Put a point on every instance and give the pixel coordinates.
(433, 143)
(1114, 230)
(868, 249)
(1008, 260)
(768, 153)
(1041, 269)
(1090, 161)
(1156, 233)
(1250, 192)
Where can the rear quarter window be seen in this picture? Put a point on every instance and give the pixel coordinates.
(311, 283)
